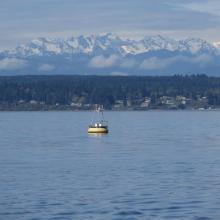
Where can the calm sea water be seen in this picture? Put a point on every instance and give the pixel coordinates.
(152, 165)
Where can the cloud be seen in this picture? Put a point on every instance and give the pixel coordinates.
(103, 62)
(46, 67)
(128, 63)
(202, 60)
(118, 74)
(12, 64)
(155, 63)
(206, 6)
(57, 18)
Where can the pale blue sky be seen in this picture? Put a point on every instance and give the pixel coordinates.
(23, 20)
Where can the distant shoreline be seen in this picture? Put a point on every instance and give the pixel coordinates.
(123, 110)
(133, 93)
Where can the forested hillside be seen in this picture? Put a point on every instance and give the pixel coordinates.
(110, 91)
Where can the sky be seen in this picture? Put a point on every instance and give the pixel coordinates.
(24, 20)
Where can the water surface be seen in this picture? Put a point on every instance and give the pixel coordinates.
(152, 165)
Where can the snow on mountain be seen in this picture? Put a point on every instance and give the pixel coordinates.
(216, 44)
(38, 47)
(160, 43)
(154, 43)
(109, 44)
(196, 45)
(108, 53)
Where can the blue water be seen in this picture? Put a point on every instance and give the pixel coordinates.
(152, 165)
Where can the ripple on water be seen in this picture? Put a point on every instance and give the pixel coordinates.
(202, 218)
(14, 213)
(66, 213)
(129, 213)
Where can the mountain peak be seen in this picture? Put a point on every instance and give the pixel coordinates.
(108, 43)
(107, 51)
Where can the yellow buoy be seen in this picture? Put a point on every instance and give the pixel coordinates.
(101, 130)
(100, 127)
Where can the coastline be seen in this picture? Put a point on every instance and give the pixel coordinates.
(107, 110)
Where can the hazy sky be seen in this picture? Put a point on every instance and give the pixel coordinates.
(22, 20)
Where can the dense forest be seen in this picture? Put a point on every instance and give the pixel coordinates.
(105, 90)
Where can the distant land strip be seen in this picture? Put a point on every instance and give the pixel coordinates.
(74, 92)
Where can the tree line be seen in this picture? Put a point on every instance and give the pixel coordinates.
(106, 90)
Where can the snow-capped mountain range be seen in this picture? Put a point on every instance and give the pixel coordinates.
(111, 54)
(109, 44)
